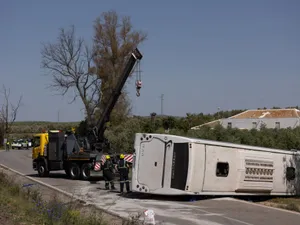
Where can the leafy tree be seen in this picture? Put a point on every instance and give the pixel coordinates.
(114, 40)
(124, 140)
(183, 124)
(82, 128)
(168, 122)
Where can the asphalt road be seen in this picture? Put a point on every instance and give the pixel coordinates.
(221, 211)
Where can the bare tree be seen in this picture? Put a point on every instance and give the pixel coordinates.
(69, 62)
(8, 112)
(114, 39)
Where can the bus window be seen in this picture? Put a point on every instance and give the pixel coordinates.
(222, 169)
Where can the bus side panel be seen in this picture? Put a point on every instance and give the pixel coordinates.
(284, 163)
(280, 162)
(221, 169)
(254, 176)
(196, 168)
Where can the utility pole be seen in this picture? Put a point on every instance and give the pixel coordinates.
(162, 104)
(58, 116)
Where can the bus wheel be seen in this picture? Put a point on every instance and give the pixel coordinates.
(74, 171)
(42, 171)
(85, 171)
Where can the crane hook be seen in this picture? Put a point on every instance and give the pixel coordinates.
(138, 87)
(138, 93)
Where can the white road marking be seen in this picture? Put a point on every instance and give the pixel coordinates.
(212, 214)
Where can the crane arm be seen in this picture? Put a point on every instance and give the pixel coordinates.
(99, 129)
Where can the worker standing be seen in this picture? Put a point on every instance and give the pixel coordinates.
(7, 146)
(123, 168)
(107, 173)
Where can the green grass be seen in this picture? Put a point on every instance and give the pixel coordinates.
(26, 206)
(23, 205)
(292, 204)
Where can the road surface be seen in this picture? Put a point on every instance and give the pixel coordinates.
(222, 211)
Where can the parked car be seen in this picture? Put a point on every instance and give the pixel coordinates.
(24, 144)
(21, 143)
(16, 144)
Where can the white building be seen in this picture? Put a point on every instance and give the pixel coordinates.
(254, 119)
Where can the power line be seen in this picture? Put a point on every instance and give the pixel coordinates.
(162, 104)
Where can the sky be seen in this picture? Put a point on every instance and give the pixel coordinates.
(202, 55)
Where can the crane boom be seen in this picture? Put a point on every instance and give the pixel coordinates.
(76, 155)
(99, 129)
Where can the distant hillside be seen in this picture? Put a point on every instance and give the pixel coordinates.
(25, 129)
(24, 123)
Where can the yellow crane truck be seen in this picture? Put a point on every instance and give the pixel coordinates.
(57, 150)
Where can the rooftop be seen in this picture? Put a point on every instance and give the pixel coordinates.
(268, 113)
(258, 114)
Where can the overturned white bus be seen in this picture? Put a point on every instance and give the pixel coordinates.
(173, 165)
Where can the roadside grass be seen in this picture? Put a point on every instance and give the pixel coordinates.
(292, 204)
(25, 205)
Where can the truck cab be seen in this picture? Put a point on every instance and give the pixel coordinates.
(39, 146)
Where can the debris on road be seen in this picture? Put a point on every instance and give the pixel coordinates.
(149, 217)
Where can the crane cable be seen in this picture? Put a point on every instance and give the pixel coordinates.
(138, 82)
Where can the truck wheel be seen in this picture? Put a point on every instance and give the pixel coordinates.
(42, 171)
(85, 171)
(74, 171)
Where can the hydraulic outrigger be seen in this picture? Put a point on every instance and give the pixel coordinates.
(59, 150)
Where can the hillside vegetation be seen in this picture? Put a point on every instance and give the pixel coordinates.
(26, 129)
(123, 141)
